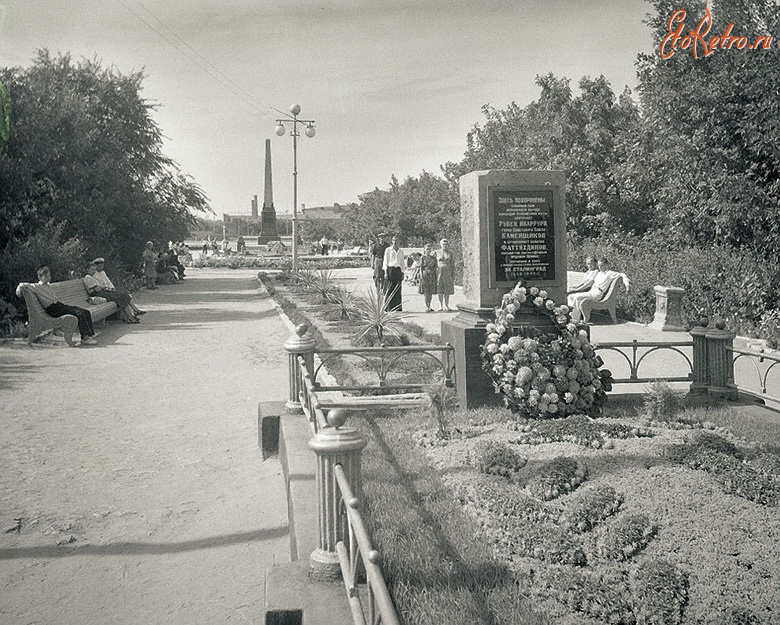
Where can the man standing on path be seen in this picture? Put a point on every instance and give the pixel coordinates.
(394, 274)
(377, 252)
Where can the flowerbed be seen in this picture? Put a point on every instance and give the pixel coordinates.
(652, 525)
(280, 262)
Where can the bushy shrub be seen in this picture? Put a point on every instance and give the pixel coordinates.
(517, 525)
(556, 477)
(625, 537)
(595, 506)
(661, 402)
(719, 282)
(495, 458)
(600, 595)
(659, 593)
(577, 429)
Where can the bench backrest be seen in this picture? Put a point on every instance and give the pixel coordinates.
(71, 292)
(612, 286)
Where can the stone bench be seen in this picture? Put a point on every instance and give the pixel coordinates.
(71, 292)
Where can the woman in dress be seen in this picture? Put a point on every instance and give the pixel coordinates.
(444, 282)
(428, 276)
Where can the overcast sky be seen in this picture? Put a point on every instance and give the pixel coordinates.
(393, 86)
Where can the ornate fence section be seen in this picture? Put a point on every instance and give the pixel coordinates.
(384, 360)
(343, 545)
(635, 352)
(756, 358)
(357, 557)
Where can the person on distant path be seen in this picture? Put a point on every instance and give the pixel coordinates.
(587, 280)
(445, 285)
(95, 280)
(54, 307)
(428, 275)
(377, 252)
(393, 265)
(150, 265)
(601, 284)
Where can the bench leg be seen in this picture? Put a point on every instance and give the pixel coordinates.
(613, 314)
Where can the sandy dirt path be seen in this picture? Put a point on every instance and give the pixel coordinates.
(131, 485)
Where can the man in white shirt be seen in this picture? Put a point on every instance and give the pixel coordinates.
(393, 265)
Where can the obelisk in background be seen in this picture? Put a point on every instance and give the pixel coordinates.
(268, 214)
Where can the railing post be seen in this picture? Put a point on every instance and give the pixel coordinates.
(334, 445)
(720, 362)
(700, 367)
(299, 344)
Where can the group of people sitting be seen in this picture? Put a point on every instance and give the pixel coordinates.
(98, 284)
(594, 286)
(161, 268)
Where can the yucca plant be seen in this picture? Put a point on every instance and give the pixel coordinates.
(375, 321)
(304, 278)
(345, 302)
(323, 285)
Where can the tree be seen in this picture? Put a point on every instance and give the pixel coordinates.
(84, 159)
(590, 136)
(712, 125)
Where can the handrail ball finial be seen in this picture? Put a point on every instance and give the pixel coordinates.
(337, 417)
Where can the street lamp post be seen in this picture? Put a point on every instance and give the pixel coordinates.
(295, 109)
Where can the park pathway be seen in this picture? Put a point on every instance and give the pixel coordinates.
(131, 485)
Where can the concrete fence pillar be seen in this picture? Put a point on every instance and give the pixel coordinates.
(334, 445)
(720, 362)
(700, 367)
(299, 344)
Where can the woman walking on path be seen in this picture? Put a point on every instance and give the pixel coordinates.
(428, 276)
(149, 257)
(444, 282)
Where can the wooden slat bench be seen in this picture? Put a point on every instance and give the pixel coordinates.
(72, 292)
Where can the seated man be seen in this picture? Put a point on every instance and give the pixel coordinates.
(106, 285)
(165, 273)
(56, 308)
(587, 279)
(95, 289)
(601, 283)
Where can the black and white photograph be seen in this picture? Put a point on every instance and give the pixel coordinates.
(398, 313)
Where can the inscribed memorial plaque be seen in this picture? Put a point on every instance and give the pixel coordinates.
(521, 230)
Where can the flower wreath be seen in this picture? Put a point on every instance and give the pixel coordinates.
(553, 374)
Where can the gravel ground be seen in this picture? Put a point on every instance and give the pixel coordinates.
(131, 484)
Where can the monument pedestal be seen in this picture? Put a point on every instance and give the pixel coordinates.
(466, 332)
(668, 309)
(513, 227)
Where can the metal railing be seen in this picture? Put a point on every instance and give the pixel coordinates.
(307, 396)
(635, 359)
(756, 358)
(384, 360)
(359, 556)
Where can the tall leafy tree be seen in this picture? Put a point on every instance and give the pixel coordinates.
(84, 160)
(712, 122)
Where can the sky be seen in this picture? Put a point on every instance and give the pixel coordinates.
(393, 86)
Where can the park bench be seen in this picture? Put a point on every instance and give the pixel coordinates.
(72, 292)
(608, 302)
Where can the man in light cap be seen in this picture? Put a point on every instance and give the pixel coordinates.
(109, 291)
